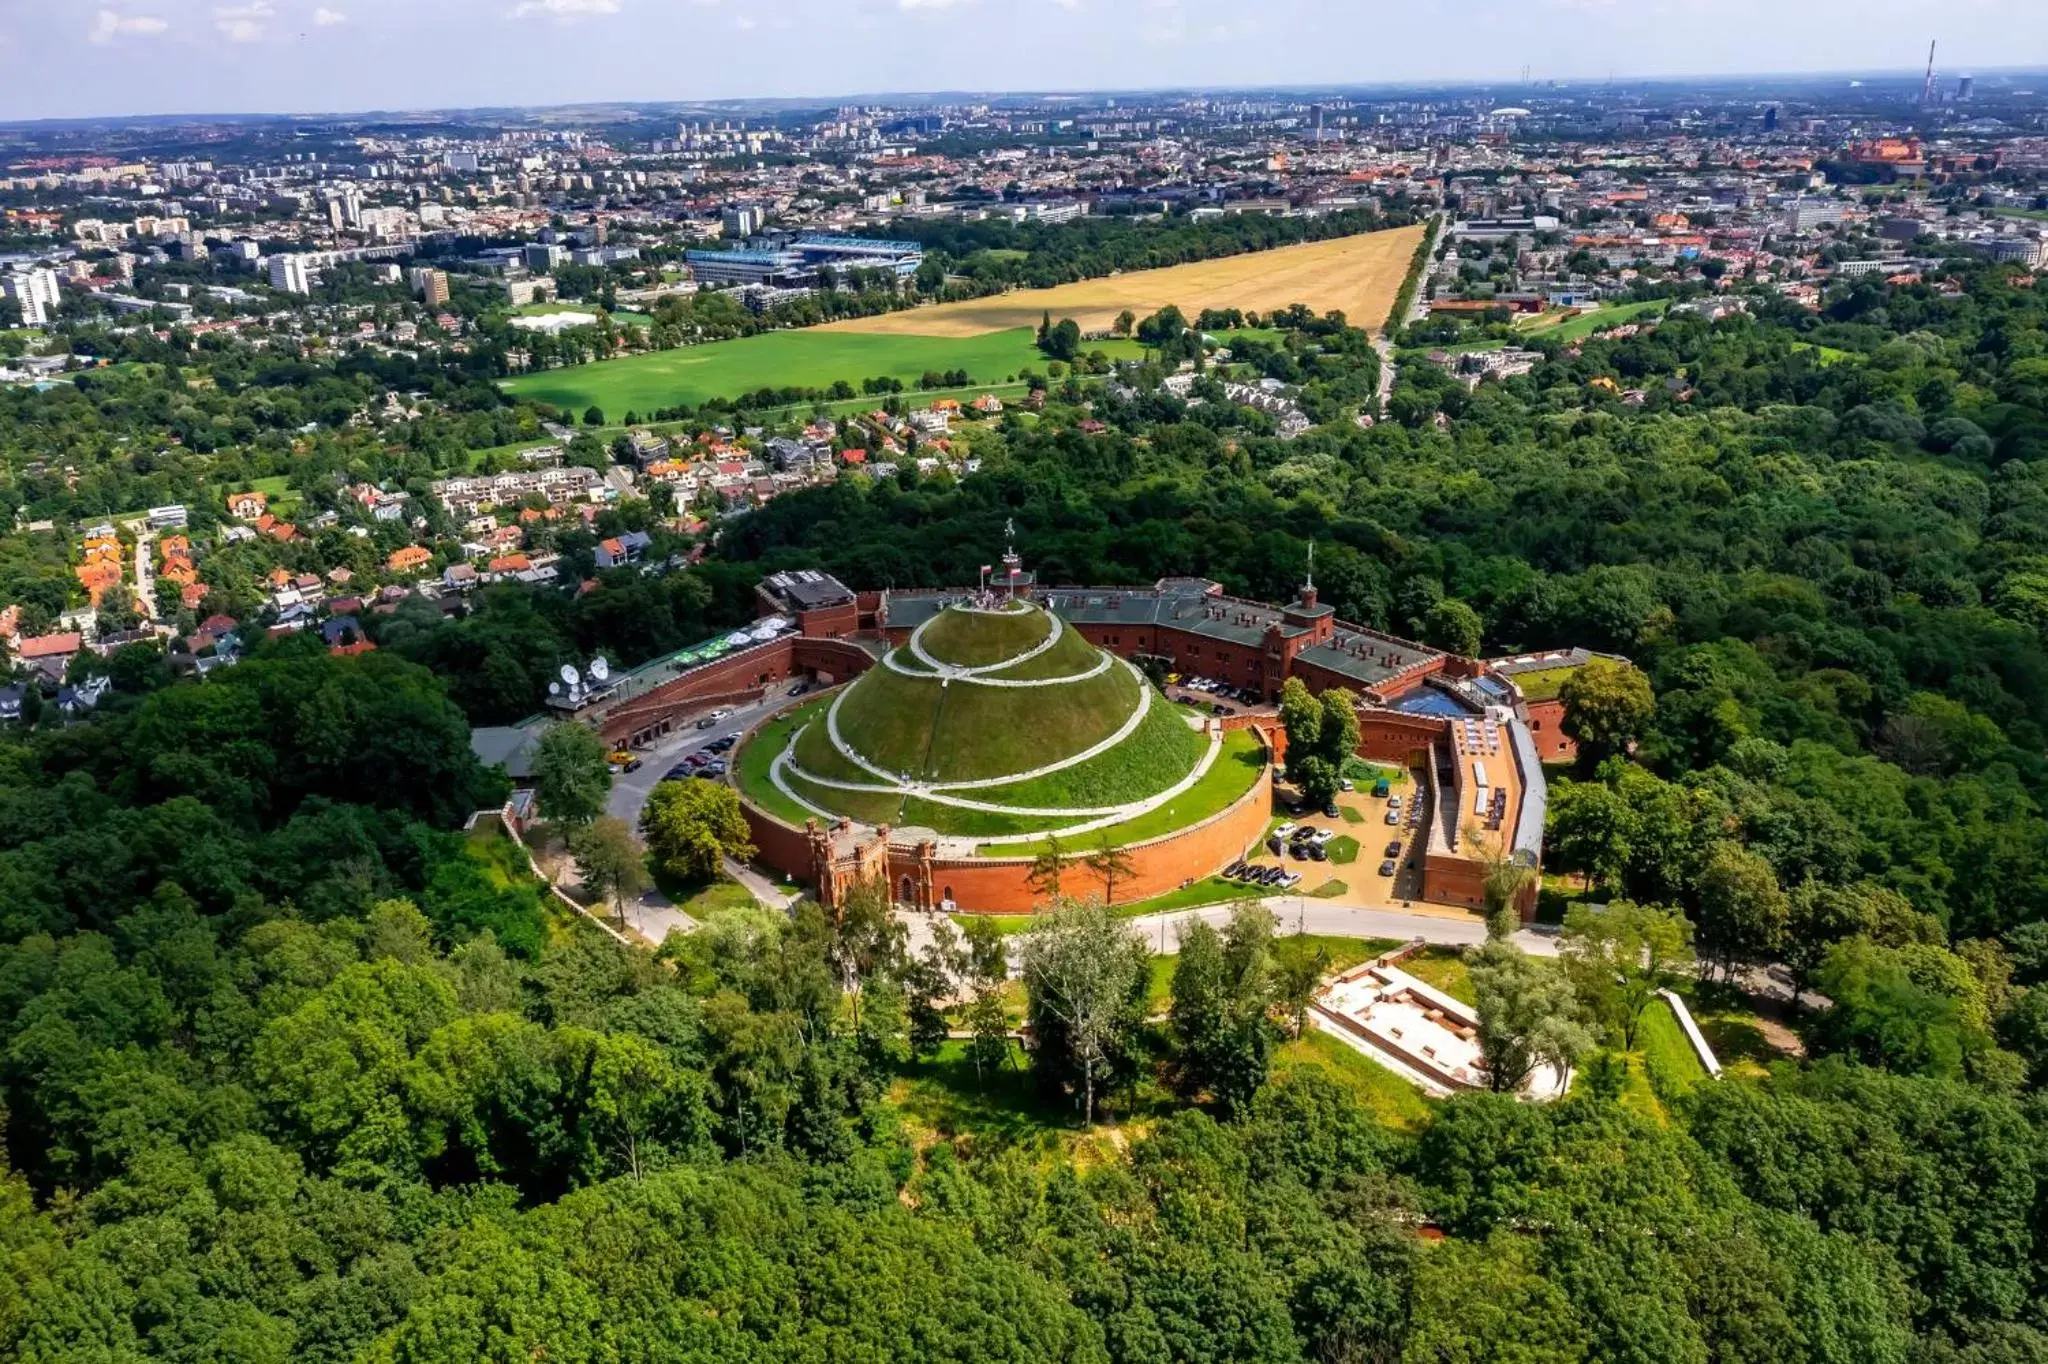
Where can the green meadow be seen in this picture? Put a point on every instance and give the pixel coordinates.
(809, 358)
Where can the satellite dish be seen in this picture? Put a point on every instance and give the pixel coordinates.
(599, 669)
(554, 689)
(569, 675)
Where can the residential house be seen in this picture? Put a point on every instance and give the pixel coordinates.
(50, 655)
(247, 506)
(623, 549)
(409, 559)
(460, 577)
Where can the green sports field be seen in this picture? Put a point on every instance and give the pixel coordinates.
(810, 358)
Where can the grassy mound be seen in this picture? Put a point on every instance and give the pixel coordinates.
(964, 732)
(1160, 752)
(975, 639)
(1070, 657)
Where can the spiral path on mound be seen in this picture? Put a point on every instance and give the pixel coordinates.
(786, 771)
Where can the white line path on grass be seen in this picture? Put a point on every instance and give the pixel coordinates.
(785, 764)
(964, 673)
(911, 786)
(890, 661)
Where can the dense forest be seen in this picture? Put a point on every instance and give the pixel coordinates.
(294, 1069)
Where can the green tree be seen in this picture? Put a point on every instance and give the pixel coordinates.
(1111, 864)
(612, 862)
(1742, 912)
(1048, 868)
(1081, 966)
(692, 826)
(1223, 997)
(1619, 956)
(1527, 1016)
(573, 773)
(1607, 707)
(1454, 627)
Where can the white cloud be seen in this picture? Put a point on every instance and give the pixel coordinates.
(108, 26)
(243, 23)
(565, 11)
(328, 18)
(745, 23)
(927, 4)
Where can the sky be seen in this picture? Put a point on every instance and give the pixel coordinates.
(86, 58)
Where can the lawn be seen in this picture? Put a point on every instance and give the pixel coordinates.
(1002, 1107)
(1827, 355)
(624, 317)
(1669, 1060)
(1543, 684)
(1444, 968)
(1340, 954)
(750, 765)
(813, 357)
(702, 901)
(1566, 329)
(1343, 850)
(1331, 890)
(1387, 1096)
(1234, 772)
(1357, 275)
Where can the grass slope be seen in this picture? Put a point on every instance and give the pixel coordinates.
(1233, 773)
(975, 639)
(810, 358)
(963, 732)
(1159, 753)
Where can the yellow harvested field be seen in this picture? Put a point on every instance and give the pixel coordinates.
(1358, 275)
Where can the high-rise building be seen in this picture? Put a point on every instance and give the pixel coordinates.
(431, 286)
(291, 275)
(544, 256)
(35, 292)
(1771, 119)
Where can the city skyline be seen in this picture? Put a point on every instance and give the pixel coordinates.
(143, 57)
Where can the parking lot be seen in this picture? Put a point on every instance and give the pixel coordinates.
(1217, 698)
(1377, 860)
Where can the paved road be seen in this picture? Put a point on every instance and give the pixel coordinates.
(631, 789)
(145, 576)
(1294, 914)
(654, 916)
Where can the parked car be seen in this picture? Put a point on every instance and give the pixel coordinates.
(1284, 830)
(1380, 789)
(1288, 880)
(680, 772)
(1393, 816)
(799, 689)
(1276, 875)
(1394, 848)
(1277, 845)
(1387, 868)
(1318, 853)
(707, 722)
(715, 768)
(1330, 810)
(1234, 870)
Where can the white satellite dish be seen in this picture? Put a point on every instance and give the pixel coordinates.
(569, 676)
(599, 669)
(554, 689)
(736, 639)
